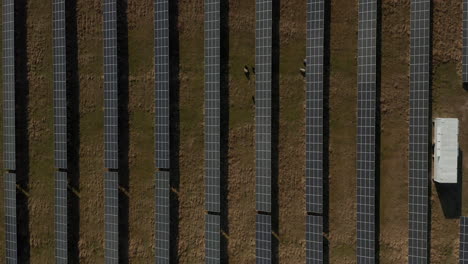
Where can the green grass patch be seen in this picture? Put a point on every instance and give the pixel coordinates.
(140, 56)
(446, 88)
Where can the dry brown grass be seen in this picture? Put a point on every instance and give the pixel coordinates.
(449, 99)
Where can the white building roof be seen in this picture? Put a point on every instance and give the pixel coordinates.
(446, 150)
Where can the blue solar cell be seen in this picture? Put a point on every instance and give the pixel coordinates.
(314, 239)
(162, 217)
(212, 239)
(9, 129)
(11, 237)
(263, 239)
(463, 251)
(111, 107)
(61, 218)
(60, 84)
(212, 105)
(111, 216)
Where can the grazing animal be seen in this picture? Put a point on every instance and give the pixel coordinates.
(247, 72)
(302, 71)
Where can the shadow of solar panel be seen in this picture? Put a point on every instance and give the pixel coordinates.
(9, 138)
(263, 69)
(419, 131)
(366, 131)
(263, 239)
(10, 218)
(212, 105)
(111, 216)
(162, 217)
(61, 223)
(314, 106)
(463, 250)
(111, 115)
(314, 239)
(465, 42)
(162, 85)
(60, 84)
(212, 239)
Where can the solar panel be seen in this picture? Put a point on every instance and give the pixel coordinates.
(419, 131)
(60, 84)
(111, 109)
(465, 41)
(111, 217)
(263, 53)
(161, 62)
(314, 239)
(366, 131)
(9, 139)
(212, 106)
(314, 106)
(212, 239)
(61, 223)
(162, 217)
(263, 239)
(463, 240)
(10, 218)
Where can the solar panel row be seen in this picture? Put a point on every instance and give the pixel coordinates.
(212, 105)
(9, 130)
(263, 54)
(314, 129)
(314, 239)
(111, 127)
(162, 217)
(419, 131)
(61, 222)
(465, 41)
(212, 131)
(366, 113)
(60, 84)
(111, 216)
(111, 109)
(9, 138)
(263, 122)
(162, 128)
(314, 106)
(162, 91)
(60, 127)
(212, 239)
(10, 218)
(463, 240)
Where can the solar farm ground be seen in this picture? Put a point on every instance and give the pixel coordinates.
(449, 100)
